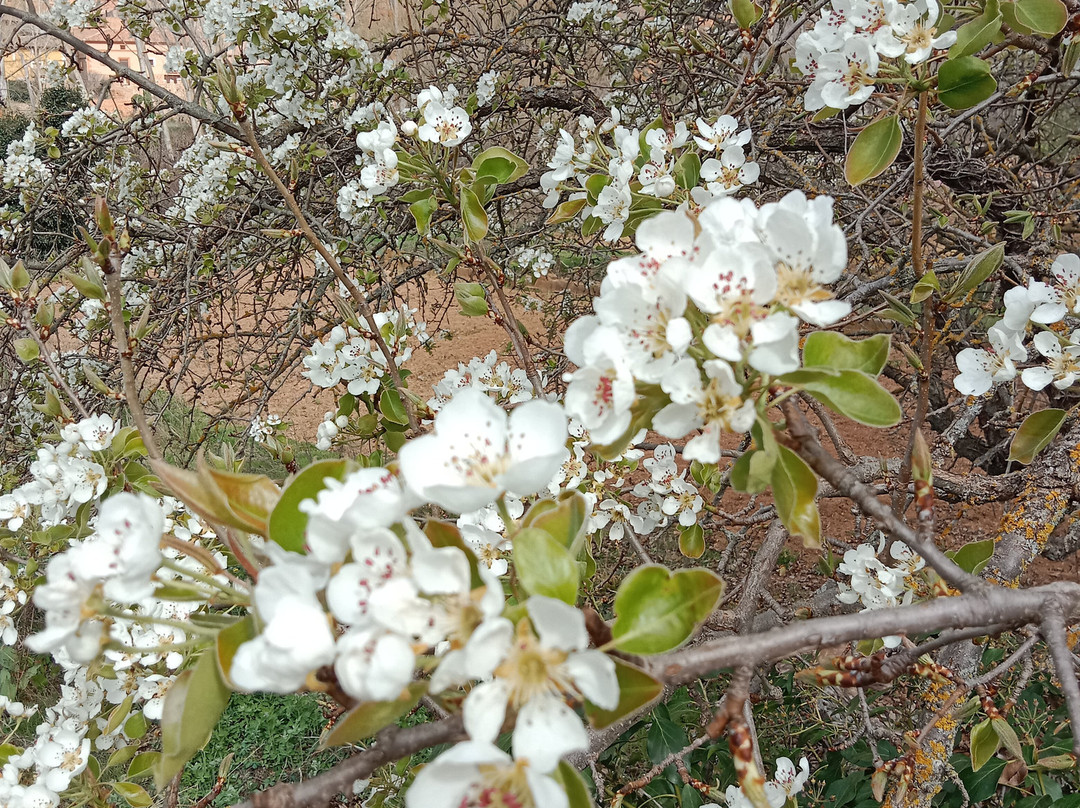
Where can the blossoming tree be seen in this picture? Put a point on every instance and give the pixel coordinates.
(724, 245)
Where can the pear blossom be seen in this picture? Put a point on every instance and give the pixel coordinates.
(715, 408)
(476, 453)
(446, 126)
(982, 368)
(722, 135)
(541, 665)
(1063, 363)
(910, 31)
(843, 78)
(479, 773)
(725, 175)
(613, 209)
(1062, 295)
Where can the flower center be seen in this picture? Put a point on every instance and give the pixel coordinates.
(532, 670)
(717, 406)
(795, 285)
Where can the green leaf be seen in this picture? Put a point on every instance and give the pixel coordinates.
(117, 716)
(472, 298)
(567, 210)
(288, 524)
(851, 393)
(1055, 762)
(121, 755)
(135, 727)
(229, 640)
(692, 541)
(473, 216)
(965, 82)
(1008, 738)
(545, 566)
(973, 556)
(1043, 17)
(500, 164)
(422, 210)
(795, 490)
(975, 35)
(926, 286)
(26, 349)
(392, 408)
(745, 12)
(577, 792)
(979, 268)
(657, 610)
(193, 705)
(831, 349)
(664, 737)
(687, 170)
(984, 744)
(1035, 434)
(636, 689)
(981, 784)
(874, 150)
(134, 794)
(367, 718)
(563, 519)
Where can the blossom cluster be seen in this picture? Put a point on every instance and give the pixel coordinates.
(504, 384)
(732, 284)
(633, 162)
(875, 584)
(1042, 305)
(841, 53)
(788, 782)
(347, 355)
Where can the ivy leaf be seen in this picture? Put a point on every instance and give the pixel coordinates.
(874, 150)
(1035, 434)
(657, 610)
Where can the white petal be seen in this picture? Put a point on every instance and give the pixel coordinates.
(558, 624)
(593, 673)
(546, 730)
(485, 710)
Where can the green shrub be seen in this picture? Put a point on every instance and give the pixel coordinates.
(12, 127)
(18, 91)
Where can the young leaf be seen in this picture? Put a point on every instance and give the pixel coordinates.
(563, 519)
(874, 150)
(1035, 434)
(984, 744)
(795, 490)
(193, 705)
(973, 556)
(851, 393)
(692, 541)
(979, 268)
(832, 349)
(577, 792)
(288, 524)
(657, 610)
(926, 286)
(965, 82)
(545, 566)
(566, 211)
(1007, 734)
(473, 216)
(367, 718)
(636, 689)
(975, 35)
(500, 164)
(1043, 17)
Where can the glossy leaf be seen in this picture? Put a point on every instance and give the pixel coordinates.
(965, 82)
(636, 689)
(500, 164)
(133, 794)
(229, 640)
(745, 12)
(687, 170)
(567, 210)
(657, 610)
(1035, 434)
(874, 150)
(973, 556)
(795, 490)
(392, 408)
(143, 764)
(832, 349)
(577, 792)
(422, 210)
(1042, 17)
(850, 393)
(563, 519)
(193, 705)
(984, 744)
(473, 216)
(288, 524)
(367, 718)
(692, 541)
(544, 566)
(979, 268)
(975, 35)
